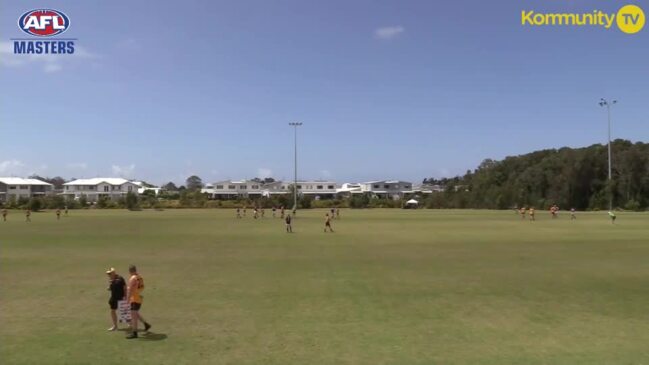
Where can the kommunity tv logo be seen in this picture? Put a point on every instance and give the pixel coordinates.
(629, 19)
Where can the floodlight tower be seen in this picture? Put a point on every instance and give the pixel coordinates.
(295, 125)
(603, 102)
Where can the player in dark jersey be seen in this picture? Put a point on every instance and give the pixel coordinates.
(328, 223)
(117, 288)
(289, 227)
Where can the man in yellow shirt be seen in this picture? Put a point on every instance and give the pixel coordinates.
(134, 295)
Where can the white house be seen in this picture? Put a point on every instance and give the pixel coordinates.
(249, 189)
(16, 187)
(428, 188)
(317, 188)
(233, 189)
(95, 188)
(394, 189)
(143, 188)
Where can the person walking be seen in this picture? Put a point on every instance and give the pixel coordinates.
(117, 288)
(134, 295)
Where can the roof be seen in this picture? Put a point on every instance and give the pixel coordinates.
(21, 181)
(98, 180)
(387, 182)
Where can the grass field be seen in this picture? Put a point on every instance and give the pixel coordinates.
(389, 287)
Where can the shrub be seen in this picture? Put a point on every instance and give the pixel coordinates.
(632, 205)
(131, 201)
(35, 204)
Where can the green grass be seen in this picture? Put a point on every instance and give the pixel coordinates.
(389, 287)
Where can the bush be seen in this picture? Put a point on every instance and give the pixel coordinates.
(304, 202)
(35, 204)
(131, 201)
(632, 205)
(359, 201)
(22, 202)
(83, 201)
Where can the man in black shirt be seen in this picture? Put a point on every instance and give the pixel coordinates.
(117, 287)
(289, 227)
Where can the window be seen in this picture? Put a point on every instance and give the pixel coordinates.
(24, 187)
(330, 187)
(91, 187)
(376, 186)
(299, 186)
(130, 188)
(67, 187)
(106, 188)
(255, 186)
(407, 186)
(386, 186)
(220, 187)
(319, 187)
(283, 187)
(12, 187)
(243, 187)
(231, 187)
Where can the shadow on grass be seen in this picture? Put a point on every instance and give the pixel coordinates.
(152, 336)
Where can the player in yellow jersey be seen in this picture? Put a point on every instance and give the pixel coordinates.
(134, 295)
(531, 213)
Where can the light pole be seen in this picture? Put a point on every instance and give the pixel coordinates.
(295, 125)
(607, 104)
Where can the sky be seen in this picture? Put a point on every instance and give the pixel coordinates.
(161, 90)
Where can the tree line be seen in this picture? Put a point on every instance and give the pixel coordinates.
(569, 177)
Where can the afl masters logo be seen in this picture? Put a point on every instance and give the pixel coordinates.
(44, 23)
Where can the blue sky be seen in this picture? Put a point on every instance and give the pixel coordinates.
(385, 89)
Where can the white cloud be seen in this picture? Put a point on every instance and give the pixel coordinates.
(387, 33)
(77, 165)
(11, 167)
(50, 62)
(52, 67)
(325, 174)
(263, 173)
(123, 171)
(129, 44)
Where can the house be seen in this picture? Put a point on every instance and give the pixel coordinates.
(99, 187)
(317, 188)
(14, 188)
(393, 189)
(428, 188)
(144, 188)
(348, 189)
(230, 189)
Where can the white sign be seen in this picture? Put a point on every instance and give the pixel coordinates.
(123, 311)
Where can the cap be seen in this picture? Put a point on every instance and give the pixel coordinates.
(110, 271)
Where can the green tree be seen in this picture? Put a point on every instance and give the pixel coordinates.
(35, 204)
(194, 183)
(131, 201)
